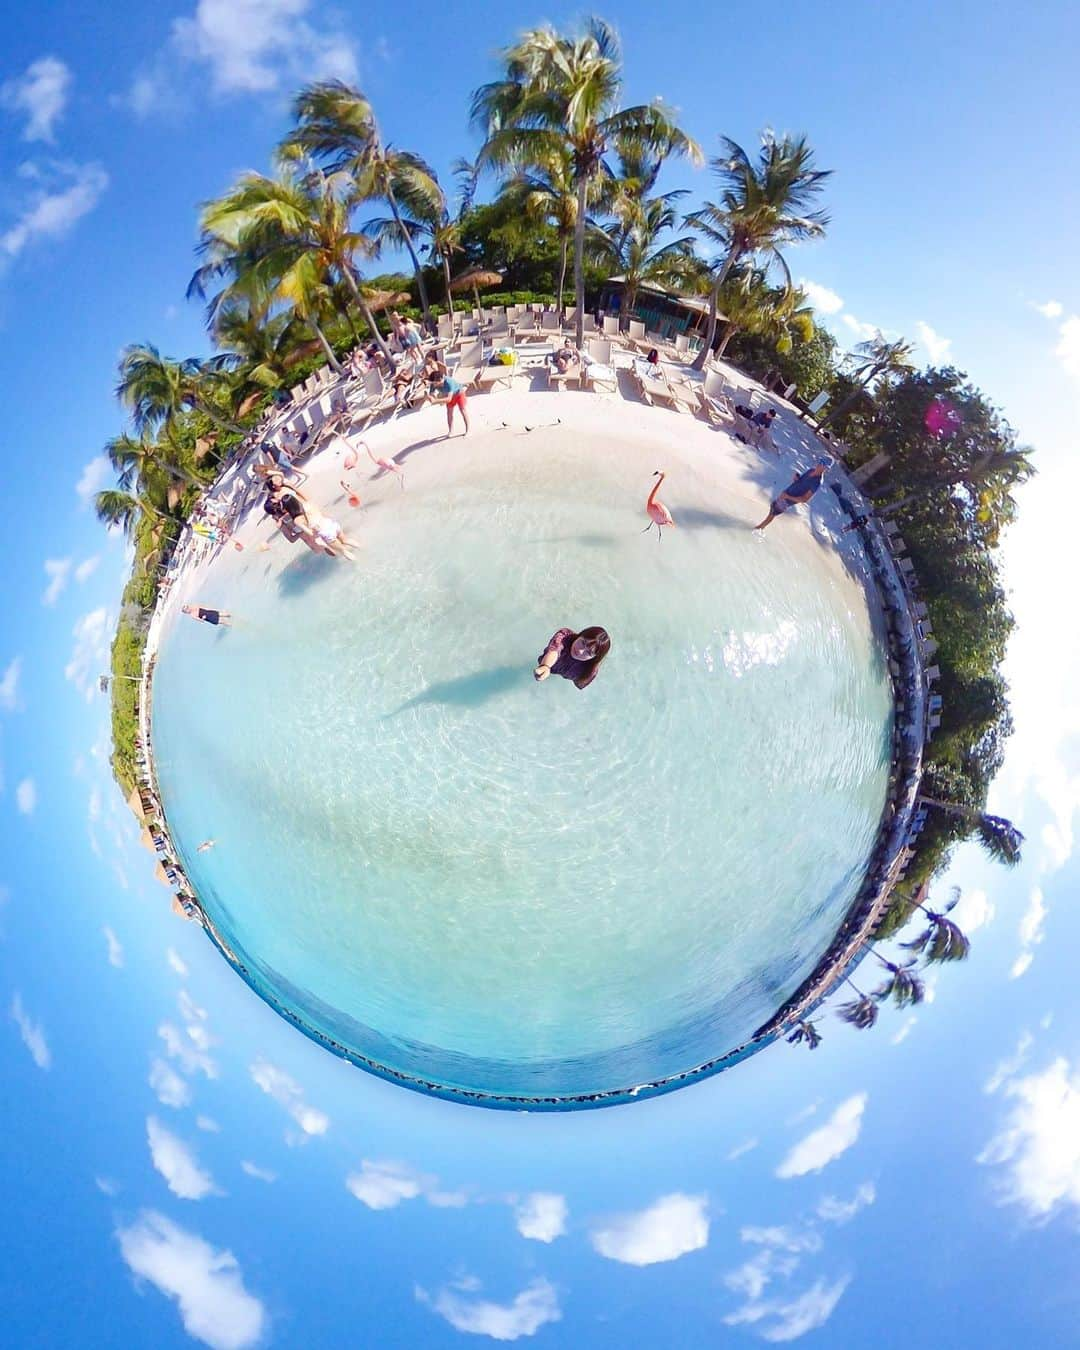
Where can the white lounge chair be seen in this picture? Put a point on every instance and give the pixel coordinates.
(470, 361)
(611, 325)
(598, 371)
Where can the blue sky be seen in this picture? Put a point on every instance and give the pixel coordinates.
(919, 1185)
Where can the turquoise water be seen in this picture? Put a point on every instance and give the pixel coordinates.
(493, 885)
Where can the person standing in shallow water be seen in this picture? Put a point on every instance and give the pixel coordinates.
(574, 656)
(211, 616)
(801, 490)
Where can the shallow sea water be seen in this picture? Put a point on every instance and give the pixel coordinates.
(515, 888)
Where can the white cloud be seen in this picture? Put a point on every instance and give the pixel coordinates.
(541, 1216)
(904, 1030)
(833, 1210)
(96, 473)
(87, 568)
(1031, 925)
(821, 297)
(9, 685)
(40, 94)
(260, 1173)
(753, 1277)
(1068, 349)
(674, 1225)
(745, 1147)
(206, 1123)
(177, 1164)
(1039, 1143)
(534, 1307)
(191, 1058)
(1007, 1068)
(863, 331)
(170, 1088)
(973, 911)
(288, 1094)
(246, 47)
(780, 1320)
(26, 797)
(177, 962)
(1053, 309)
(189, 1009)
(828, 1142)
(937, 347)
(781, 1238)
(58, 201)
(116, 950)
(89, 656)
(1031, 932)
(106, 1185)
(205, 1282)
(32, 1033)
(57, 570)
(383, 1185)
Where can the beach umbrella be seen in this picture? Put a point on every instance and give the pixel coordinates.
(162, 875)
(134, 802)
(473, 278)
(147, 841)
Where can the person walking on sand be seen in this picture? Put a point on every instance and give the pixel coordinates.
(801, 490)
(212, 616)
(454, 397)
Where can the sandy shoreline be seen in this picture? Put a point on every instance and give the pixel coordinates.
(711, 472)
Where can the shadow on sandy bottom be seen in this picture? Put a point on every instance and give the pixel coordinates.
(306, 571)
(469, 691)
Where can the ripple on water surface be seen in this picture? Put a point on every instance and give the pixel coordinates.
(495, 885)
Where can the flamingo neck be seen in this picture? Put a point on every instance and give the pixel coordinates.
(656, 489)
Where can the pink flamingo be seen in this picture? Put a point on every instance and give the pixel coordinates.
(659, 515)
(387, 465)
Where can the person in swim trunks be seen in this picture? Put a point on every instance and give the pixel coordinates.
(801, 490)
(454, 397)
(211, 616)
(574, 656)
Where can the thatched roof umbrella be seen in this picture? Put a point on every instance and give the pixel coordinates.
(385, 300)
(162, 875)
(147, 841)
(473, 278)
(134, 802)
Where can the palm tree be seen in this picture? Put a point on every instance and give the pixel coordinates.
(559, 96)
(546, 192)
(806, 1033)
(999, 837)
(631, 248)
(762, 206)
(751, 305)
(861, 1012)
(941, 939)
(265, 345)
(116, 508)
(872, 359)
(134, 458)
(158, 390)
(335, 123)
(901, 984)
(284, 239)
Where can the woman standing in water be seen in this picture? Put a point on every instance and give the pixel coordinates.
(574, 656)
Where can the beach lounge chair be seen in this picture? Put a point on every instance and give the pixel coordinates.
(470, 361)
(715, 400)
(569, 322)
(549, 322)
(597, 372)
(489, 375)
(651, 384)
(556, 379)
(611, 325)
(635, 336)
(817, 403)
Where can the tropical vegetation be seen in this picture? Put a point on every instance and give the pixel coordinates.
(564, 189)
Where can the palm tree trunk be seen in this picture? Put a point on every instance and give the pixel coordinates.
(222, 423)
(407, 237)
(630, 291)
(446, 278)
(563, 249)
(859, 389)
(365, 310)
(728, 335)
(335, 364)
(714, 301)
(579, 260)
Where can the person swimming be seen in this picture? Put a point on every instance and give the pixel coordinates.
(574, 656)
